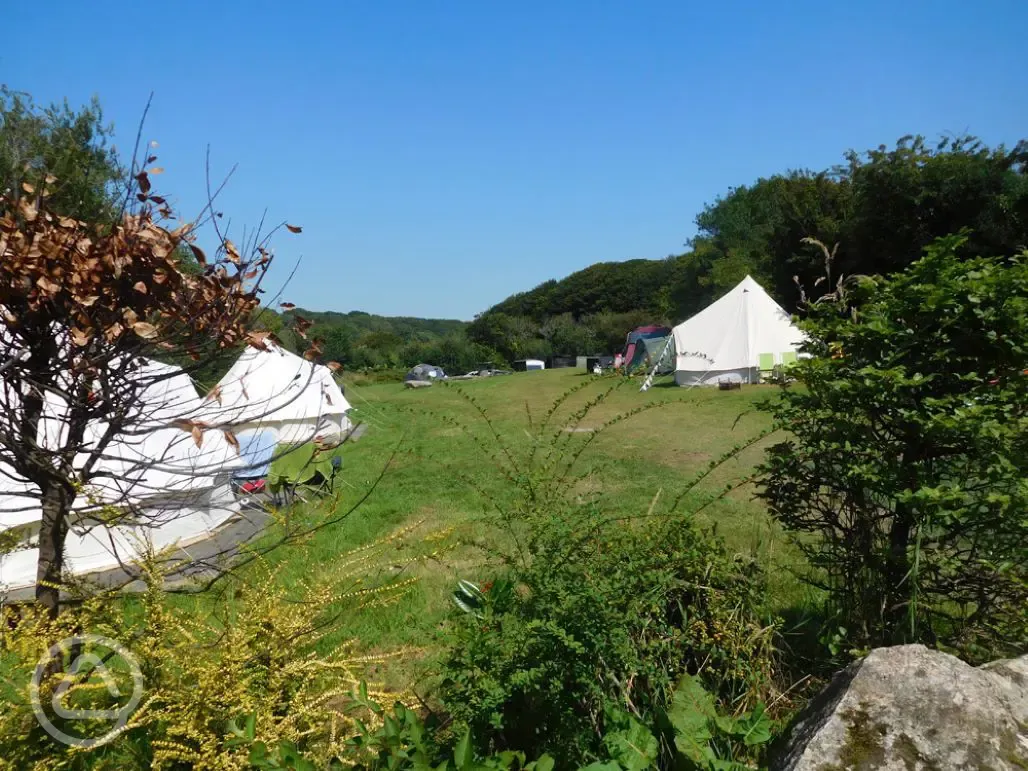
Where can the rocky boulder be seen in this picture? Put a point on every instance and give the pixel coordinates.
(909, 708)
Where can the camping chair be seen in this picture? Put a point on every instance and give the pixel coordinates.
(789, 358)
(302, 472)
(766, 365)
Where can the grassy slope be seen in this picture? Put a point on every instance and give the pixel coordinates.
(655, 450)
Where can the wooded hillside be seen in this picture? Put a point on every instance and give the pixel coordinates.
(881, 207)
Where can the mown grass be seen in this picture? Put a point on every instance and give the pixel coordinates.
(425, 469)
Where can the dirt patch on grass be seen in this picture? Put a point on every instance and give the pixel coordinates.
(678, 458)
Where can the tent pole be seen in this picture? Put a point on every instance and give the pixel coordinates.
(746, 325)
(649, 378)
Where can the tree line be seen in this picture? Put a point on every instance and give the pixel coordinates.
(882, 208)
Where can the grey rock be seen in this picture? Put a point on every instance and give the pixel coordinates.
(909, 708)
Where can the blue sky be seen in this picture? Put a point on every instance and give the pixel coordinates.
(442, 155)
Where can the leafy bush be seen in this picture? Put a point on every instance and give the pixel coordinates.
(905, 477)
(689, 734)
(596, 616)
(252, 652)
(602, 618)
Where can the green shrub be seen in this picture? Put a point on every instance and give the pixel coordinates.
(905, 477)
(605, 617)
(253, 651)
(593, 616)
(690, 733)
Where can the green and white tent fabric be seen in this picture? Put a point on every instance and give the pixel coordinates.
(725, 339)
(653, 355)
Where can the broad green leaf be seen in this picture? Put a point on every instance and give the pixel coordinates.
(463, 753)
(634, 748)
(692, 709)
(757, 727)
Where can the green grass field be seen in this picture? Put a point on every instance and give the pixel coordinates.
(434, 474)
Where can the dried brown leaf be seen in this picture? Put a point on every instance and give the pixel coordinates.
(214, 394)
(47, 285)
(258, 339)
(81, 337)
(28, 211)
(232, 440)
(232, 252)
(145, 330)
(294, 228)
(301, 325)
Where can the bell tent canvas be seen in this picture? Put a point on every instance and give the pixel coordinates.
(175, 486)
(276, 390)
(726, 339)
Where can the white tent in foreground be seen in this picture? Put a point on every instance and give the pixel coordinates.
(177, 489)
(726, 339)
(275, 390)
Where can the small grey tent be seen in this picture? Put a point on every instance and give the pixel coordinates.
(425, 373)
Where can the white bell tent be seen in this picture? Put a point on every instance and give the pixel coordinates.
(276, 390)
(176, 486)
(726, 339)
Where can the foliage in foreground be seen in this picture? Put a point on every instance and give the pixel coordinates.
(906, 474)
(689, 734)
(598, 628)
(255, 654)
(593, 619)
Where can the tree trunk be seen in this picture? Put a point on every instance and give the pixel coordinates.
(897, 591)
(56, 500)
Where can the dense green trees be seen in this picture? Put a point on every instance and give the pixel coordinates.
(68, 145)
(905, 470)
(615, 287)
(882, 207)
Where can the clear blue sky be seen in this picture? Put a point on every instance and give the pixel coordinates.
(442, 155)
